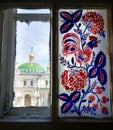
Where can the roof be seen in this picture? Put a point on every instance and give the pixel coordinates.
(31, 66)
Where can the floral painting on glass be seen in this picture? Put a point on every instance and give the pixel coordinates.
(84, 88)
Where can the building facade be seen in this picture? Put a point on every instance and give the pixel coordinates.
(31, 84)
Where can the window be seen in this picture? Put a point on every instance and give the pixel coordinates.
(80, 74)
(46, 82)
(24, 83)
(31, 83)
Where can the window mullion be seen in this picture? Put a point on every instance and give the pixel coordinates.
(54, 64)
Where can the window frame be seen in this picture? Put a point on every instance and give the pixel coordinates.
(8, 72)
(54, 49)
(90, 5)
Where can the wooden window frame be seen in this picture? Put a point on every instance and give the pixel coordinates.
(54, 52)
(8, 54)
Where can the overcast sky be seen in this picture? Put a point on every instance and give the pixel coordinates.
(36, 35)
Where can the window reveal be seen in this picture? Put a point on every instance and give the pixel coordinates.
(84, 88)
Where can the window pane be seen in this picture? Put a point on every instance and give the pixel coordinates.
(84, 81)
(31, 62)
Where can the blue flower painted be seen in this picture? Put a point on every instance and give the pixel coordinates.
(97, 69)
(69, 100)
(69, 20)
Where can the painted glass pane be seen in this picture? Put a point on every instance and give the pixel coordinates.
(84, 81)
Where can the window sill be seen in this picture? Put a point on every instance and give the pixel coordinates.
(85, 120)
(27, 114)
(11, 119)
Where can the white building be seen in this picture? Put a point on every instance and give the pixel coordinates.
(31, 84)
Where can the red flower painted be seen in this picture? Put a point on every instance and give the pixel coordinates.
(104, 110)
(99, 90)
(96, 20)
(78, 80)
(91, 98)
(104, 99)
(95, 105)
(64, 78)
(74, 82)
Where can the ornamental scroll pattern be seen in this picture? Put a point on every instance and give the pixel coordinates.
(84, 89)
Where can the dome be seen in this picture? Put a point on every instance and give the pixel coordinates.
(31, 66)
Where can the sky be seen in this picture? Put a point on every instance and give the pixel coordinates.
(36, 35)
